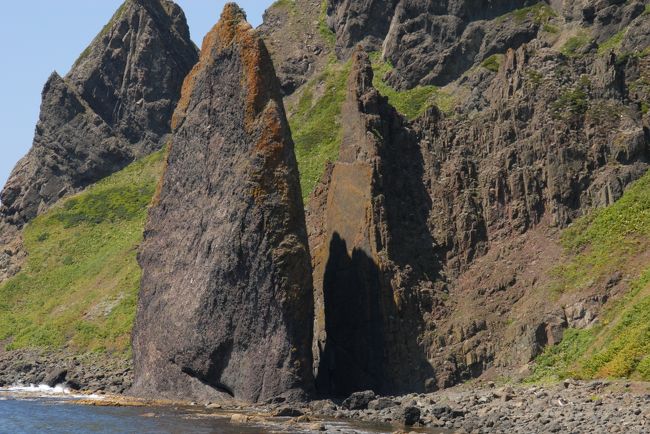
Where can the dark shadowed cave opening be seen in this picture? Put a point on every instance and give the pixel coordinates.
(370, 345)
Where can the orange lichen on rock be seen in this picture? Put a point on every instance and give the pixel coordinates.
(270, 146)
(233, 29)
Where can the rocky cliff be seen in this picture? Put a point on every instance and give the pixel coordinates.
(226, 304)
(442, 234)
(369, 225)
(476, 175)
(113, 106)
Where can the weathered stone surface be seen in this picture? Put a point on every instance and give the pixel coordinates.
(430, 43)
(358, 400)
(527, 150)
(114, 105)
(364, 23)
(226, 301)
(370, 244)
(295, 43)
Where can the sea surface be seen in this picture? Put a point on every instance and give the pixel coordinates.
(41, 409)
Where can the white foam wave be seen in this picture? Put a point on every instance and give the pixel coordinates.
(43, 390)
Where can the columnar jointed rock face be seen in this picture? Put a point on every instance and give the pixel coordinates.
(226, 299)
(371, 249)
(113, 106)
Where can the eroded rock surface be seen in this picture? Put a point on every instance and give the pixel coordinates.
(461, 212)
(369, 245)
(114, 105)
(226, 300)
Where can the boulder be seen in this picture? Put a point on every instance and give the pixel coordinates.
(359, 400)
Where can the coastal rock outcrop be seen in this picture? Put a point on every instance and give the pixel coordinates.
(460, 212)
(226, 302)
(371, 249)
(113, 106)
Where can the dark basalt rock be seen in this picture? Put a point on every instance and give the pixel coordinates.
(226, 302)
(113, 106)
(359, 400)
(298, 48)
(368, 229)
(429, 43)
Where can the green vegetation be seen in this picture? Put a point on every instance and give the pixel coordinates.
(79, 285)
(288, 5)
(575, 43)
(647, 10)
(284, 3)
(535, 77)
(315, 116)
(602, 241)
(550, 28)
(493, 63)
(327, 34)
(540, 13)
(612, 44)
(316, 126)
(555, 362)
(412, 102)
(598, 245)
(573, 102)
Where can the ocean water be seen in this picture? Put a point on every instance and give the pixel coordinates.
(55, 415)
(41, 409)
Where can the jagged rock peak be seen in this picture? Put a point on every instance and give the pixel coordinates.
(362, 74)
(233, 28)
(114, 105)
(369, 238)
(226, 301)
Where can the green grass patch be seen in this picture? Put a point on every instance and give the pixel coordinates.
(612, 44)
(540, 13)
(284, 4)
(574, 44)
(326, 33)
(316, 124)
(493, 63)
(604, 242)
(550, 28)
(79, 286)
(555, 363)
(573, 102)
(412, 102)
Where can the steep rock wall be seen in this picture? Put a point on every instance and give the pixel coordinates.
(226, 301)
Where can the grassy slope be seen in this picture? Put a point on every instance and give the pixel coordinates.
(80, 283)
(607, 241)
(412, 102)
(315, 123)
(315, 116)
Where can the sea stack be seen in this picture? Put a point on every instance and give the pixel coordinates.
(370, 248)
(226, 301)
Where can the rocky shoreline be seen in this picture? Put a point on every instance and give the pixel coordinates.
(569, 407)
(473, 408)
(92, 372)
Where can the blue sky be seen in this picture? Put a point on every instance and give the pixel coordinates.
(41, 36)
